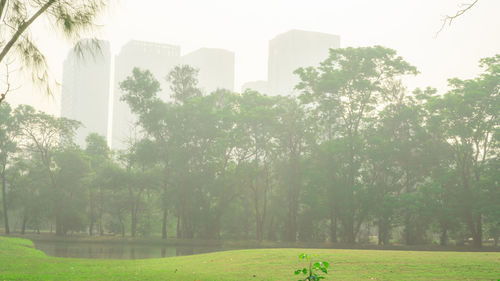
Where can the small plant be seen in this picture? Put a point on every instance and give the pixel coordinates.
(314, 270)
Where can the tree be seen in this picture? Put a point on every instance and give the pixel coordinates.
(466, 118)
(71, 176)
(99, 153)
(183, 81)
(169, 127)
(346, 89)
(294, 133)
(29, 192)
(73, 18)
(8, 146)
(97, 147)
(45, 135)
(397, 147)
(141, 94)
(203, 164)
(258, 124)
(490, 184)
(113, 180)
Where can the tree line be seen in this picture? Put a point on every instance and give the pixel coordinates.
(355, 156)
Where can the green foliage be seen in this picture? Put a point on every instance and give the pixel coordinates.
(315, 269)
(71, 18)
(184, 83)
(354, 154)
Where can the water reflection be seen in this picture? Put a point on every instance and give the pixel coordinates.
(117, 250)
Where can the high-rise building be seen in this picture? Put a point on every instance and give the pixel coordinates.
(155, 57)
(86, 87)
(259, 86)
(216, 68)
(294, 49)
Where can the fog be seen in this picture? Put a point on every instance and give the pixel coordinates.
(153, 129)
(245, 28)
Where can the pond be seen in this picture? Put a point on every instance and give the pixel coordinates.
(117, 250)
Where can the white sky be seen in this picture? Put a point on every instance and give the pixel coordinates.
(245, 27)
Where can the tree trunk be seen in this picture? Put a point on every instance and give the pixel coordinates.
(350, 220)
(179, 233)
(91, 228)
(258, 220)
(478, 234)
(58, 209)
(293, 198)
(133, 223)
(212, 226)
(165, 206)
(349, 228)
(122, 225)
(134, 209)
(59, 225)
(4, 203)
(292, 219)
(333, 227)
(92, 213)
(101, 208)
(23, 227)
(187, 226)
(271, 236)
(258, 225)
(407, 230)
(383, 232)
(163, 251)
(443, 239)
(164, 223)
(259, 230)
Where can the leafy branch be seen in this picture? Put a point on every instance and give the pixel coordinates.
(8, 88)
(314, 271)
(449, 19)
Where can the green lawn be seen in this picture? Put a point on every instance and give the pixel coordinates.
(20, 261)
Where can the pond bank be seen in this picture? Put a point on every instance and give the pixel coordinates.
(243, 244)
(20, 261)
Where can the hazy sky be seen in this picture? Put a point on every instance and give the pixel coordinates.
(245, 27)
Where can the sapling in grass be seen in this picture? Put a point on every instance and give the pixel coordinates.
(315, 270)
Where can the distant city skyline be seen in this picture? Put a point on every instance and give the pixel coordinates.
(291, 50)
(91, 89)
(260, 86)
(86, 90)
(216, 70)
(245, 28)
(156, 57)
(215, 66)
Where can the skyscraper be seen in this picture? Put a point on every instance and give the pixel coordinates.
(294, 49)
(216, 68)
(259, 86)
(86, 87)
(155, 57)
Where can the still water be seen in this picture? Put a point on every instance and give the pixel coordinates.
(117, 250)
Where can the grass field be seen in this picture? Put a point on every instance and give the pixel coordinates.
(20, 261)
